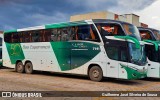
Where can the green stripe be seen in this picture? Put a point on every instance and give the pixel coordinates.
(71, 55)
(131, 71)
(60, 25)
(137, 43)
(156, 43)
(9, 31)
(15, 52)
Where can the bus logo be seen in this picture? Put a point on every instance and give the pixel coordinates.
(15, 49)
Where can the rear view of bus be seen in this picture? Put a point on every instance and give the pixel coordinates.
(152, 41)
(97, 48)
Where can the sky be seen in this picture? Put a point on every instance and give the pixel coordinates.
(15, 14)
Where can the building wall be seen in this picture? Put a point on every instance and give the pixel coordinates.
(94, 15)
(135, 20)
(130, 18)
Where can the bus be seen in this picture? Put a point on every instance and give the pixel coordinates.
(97, 48)
(152, 41)
(1, 38)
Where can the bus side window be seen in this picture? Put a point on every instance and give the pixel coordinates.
(20, 35)
(35, 36)
(58, 35)
(41, 36)
(54, 35)
(145, 35)
(15, 38)
(0, 41)
(112, 52)
(110, 29)
(123, 54)
(47, 35)
(26, 36)
(71, 33)
(64, 34)
(83, 32)
(75, 32)
(94, 34)
(152, 54)
(7, 37)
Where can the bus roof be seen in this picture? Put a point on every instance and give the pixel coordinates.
(143, 28)
(64, 24)
(109, 21)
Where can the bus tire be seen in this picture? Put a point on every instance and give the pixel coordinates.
(19, 67)
(95, 73)
(29, 68)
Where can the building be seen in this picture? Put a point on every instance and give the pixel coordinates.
(130, 18)
(133, 19)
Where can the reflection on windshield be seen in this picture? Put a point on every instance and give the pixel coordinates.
(157, 35)
(110, 29)
(132, 30)
(138, 56)
(145, 35)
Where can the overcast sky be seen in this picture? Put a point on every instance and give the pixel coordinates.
(25, 13)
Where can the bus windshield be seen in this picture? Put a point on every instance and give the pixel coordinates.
(157, 35)
(132, 30)
(137, 55)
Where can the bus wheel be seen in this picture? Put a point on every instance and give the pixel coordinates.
(19, 67)
(29, 68)
(95, 74)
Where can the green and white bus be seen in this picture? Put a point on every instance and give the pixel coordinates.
(97, 48)
(152, 41)
(1, 38)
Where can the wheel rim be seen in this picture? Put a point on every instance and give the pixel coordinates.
(28, 68)
(95, 73)
(19, 67)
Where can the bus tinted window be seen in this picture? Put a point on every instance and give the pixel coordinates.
(145, 35)
(152, 54)
(157, 35)
(0, 41)
(112, 52)
(35, 36)
(0, 53)
(117, 53)
(132, 30)
(84, 32)
(123, 54)
(110, 29)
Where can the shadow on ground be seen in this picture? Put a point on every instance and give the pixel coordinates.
(73, 76)
(151, 79)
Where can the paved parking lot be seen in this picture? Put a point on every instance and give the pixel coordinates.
(47, 81)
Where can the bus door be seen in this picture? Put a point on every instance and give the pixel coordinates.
(153, 61)
(116, 57)
(112, 61)
(153, 69)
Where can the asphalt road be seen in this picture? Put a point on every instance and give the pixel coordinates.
(50, 81)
